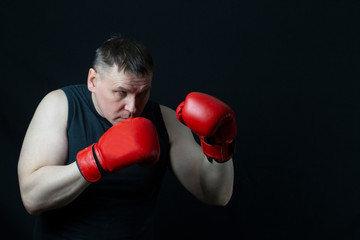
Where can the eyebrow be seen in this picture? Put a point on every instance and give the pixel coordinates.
(123, 89)
(130, 90)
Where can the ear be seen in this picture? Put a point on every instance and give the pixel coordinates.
(92, 80)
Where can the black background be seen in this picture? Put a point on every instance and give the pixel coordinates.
(289, 69)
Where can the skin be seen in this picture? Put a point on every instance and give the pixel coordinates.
(118, 95)
(47, 182)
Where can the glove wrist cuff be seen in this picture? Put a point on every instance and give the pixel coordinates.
(219, 152)
(87, 164)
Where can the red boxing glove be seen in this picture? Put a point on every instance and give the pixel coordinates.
(130, 141)
(213, 121)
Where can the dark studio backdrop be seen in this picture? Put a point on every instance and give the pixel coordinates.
(289, 69)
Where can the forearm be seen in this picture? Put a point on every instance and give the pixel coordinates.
(52, 187)
(216, 182)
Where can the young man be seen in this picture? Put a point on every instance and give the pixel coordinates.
(94, 156)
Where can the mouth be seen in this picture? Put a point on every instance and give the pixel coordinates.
(123, 118)
(119, 119)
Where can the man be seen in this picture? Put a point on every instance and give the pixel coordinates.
(94, 156)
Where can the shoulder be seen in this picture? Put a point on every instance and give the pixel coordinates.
(166, 110)
(176, 130)
(54, 100)
(168, 115)
(53, 107)
(55, 96)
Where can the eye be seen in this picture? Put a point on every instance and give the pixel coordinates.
(120, 93)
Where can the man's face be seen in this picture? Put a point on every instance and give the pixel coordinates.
(118, 95)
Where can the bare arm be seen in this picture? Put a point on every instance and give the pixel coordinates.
(45, 181)
(211, 183)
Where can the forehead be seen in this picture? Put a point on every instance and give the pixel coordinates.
(121, 79)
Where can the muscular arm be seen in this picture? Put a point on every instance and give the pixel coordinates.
(211, 183)
(45, 181)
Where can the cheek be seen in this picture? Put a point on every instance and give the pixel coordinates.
(108, 102)
(104, 99)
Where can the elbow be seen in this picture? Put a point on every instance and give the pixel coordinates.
(30, 203)
(31, 211)
(223, 200)
(223, 203)
(28, 197)
(220, 200)
(217, 202)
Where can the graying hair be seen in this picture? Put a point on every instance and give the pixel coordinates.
(127, 54)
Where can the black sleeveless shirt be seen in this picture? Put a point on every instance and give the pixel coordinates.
(118, 206)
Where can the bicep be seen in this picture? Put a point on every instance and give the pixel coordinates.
(45, 142)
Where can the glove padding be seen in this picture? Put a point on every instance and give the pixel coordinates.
(130, 141)
(213, 121)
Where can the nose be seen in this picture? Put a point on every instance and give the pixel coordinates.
(130, 105)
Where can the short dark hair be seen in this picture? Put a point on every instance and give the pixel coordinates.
(126, 53)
